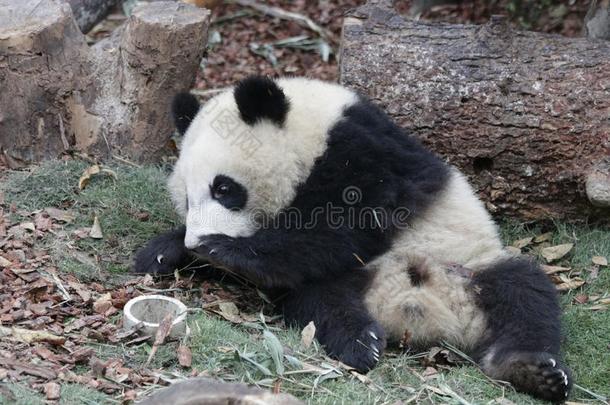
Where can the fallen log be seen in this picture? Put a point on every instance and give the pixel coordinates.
(525, 115)
(59, 94)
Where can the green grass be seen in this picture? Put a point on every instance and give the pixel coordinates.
(116, 202)
(241, 352)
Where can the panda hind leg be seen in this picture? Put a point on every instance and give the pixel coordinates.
(523, 335)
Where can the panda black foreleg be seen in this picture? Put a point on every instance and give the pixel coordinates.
(523, 334)
(273, 258)
(343, 326)
(163, 253)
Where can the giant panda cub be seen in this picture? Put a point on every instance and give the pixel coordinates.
(311, 192)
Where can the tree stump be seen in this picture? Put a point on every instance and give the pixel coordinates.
(59, 94)
(525, 115)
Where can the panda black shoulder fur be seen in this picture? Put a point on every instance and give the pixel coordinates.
(314, 194)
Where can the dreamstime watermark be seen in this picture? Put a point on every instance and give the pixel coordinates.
(351, 215)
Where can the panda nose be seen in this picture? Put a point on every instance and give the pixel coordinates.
(191, 241)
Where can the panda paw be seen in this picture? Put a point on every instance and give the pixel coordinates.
(162, 255)
(222, 250)
(363, 351)
(540, 374)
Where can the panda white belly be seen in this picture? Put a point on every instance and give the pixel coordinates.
(414, 293)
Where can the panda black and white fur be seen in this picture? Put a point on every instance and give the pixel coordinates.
(315, 195)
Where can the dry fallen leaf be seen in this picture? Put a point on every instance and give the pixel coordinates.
(185, 357)
(60, 215)
(430, 373)
(103, 303)
(52, 390)
(91, 171)
(165, 327)
(599, 260)
(81, 290)
(554, 269)
(96, 229)
(28, 226)
(86, 176)
(439, 356)
(569, 283)
(307, 334)
(42, 222)
(230, 312)
(581, 298)
(503, 401)
(605, 301)
(5, 262)
(521, 243)
(598, 308)
(554, 253)
(543, 237)
(361, 377)
(130, 395)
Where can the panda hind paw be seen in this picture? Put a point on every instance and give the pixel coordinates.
(540, 374)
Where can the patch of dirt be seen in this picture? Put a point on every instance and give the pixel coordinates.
(51, 322)
(233, 59)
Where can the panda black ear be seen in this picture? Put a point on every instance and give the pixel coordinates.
(258, 98)
(184, 108)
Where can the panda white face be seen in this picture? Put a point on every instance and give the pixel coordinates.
(247, 150)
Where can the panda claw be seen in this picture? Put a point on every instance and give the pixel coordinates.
(374, 348)
(373, 335)
(160, 258)
(553, 362)
(213, 252)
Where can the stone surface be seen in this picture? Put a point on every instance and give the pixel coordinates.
(203, 391)
(598, 184)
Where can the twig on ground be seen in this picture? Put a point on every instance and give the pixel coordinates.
(288, 15)
(126, 161)
(593, 394)
(64, 293)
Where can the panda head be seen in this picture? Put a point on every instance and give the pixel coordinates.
(246, 151)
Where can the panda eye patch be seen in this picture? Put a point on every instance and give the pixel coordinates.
(228, 192)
